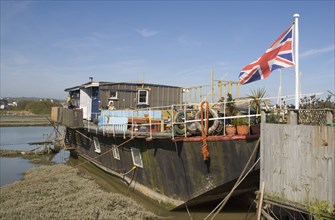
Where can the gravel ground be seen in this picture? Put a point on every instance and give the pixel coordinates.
(62, 192)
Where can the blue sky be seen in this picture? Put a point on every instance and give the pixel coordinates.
(47, 46)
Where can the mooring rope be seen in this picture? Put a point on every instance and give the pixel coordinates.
(238, 182)
(225, 200)
(133, 168)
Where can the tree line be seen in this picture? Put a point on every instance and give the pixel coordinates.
(38, 107)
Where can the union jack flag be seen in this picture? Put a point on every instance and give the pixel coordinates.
(278, 55)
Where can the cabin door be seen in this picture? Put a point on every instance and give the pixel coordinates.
(85, 102)
(95, 103)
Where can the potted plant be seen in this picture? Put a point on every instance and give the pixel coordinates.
(230, 129)
(242, 126)
(230, 111)
(256, 99)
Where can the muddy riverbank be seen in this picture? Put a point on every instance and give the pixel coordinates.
(22, 118)
(14, 121)
(63, 192)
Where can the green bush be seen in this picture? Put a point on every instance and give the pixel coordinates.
(41, 107)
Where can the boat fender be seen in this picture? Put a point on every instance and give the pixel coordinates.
(179, 128)
(216, 123)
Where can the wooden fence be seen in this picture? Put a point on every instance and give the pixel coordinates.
(298, 161)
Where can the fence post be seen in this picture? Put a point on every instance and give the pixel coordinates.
(293, 118)
(263, 117)
(329, 118)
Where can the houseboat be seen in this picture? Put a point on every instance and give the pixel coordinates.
(170, 149)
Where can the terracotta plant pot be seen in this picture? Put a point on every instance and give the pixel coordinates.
(230, 130)
(242, 129)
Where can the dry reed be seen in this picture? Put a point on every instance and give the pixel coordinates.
(62, 192)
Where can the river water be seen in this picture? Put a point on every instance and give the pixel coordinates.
(17, 138)
(12, 169)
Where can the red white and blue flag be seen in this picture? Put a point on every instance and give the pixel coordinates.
(278, 55)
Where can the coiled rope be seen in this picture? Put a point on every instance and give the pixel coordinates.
(204, 129)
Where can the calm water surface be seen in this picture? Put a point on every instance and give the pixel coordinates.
(17, 138)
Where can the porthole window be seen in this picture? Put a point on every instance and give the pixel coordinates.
(137, 158)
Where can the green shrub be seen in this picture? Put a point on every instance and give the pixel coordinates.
(41, 107)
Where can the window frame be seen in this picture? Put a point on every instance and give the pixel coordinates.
(96, 145)
(146, 97)
(116, 152)
(138, 152)
(111, 97)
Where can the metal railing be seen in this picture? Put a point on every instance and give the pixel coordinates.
(319, 117)
(151, 124)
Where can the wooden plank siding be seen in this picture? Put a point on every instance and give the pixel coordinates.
(159, 95)
(298, 162)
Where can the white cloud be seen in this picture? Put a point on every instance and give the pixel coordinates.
(146, 32)
(312, 52)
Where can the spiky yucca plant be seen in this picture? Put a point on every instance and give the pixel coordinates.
(256, 97)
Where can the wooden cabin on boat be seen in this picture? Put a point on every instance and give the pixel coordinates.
(123, 95)
(95, 99)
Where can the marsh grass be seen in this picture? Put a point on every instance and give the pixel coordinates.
(62, 192)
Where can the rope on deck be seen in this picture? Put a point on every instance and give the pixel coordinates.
(204, 129)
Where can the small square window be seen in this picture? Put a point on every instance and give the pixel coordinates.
(116, 153)
(113, 95)
(137, 158)
(143, 97)
(96, 145)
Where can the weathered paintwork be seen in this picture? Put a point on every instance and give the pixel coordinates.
(173, 169)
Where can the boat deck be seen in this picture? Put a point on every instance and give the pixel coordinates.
(152, 135)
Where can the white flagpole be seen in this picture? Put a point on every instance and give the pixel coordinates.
(279, 90)
(296, 59)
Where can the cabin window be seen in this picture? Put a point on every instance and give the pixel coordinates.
(143, 97)
(137, 158)
(96, 145)
(113, 95)
(116, 153)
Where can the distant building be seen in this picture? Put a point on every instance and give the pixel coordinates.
(3, 103)
(6, 102)
(13, 104)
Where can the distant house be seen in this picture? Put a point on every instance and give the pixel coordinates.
(3, 103)
(13, 104)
